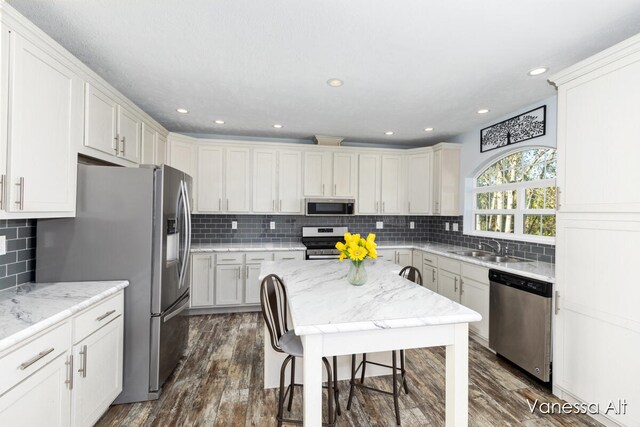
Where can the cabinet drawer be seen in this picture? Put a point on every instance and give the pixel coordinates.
(289, 255)
(258, 257)
(24, 361)
(230, 258)
(94, 318)
(449, 265)
(430, 259)
(474, 272)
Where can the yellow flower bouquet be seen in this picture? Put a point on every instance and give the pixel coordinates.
(357, 250)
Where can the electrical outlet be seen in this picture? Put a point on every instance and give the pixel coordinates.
(455, 226)
(272, 225)
(412, 225)
(234, 225)
(446, 226)
(379, 225)
(3, 245)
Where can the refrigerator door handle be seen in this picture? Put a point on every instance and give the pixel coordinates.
(184, 231)
(177, 310)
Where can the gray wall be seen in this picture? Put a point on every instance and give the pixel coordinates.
(19, 263)
(255, 228)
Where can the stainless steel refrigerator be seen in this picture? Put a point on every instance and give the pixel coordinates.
(133, 224)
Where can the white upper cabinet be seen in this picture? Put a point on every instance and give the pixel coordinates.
(265, 174)
(345, 174)
(289, 182)
(420, 171)
(161, 149)
(100, 112)
(446, 180)
(238, 180)
(391, 185)
(128, 134)
(148, 145)
(45, 106)
(598, 139)
(330, 174)
(210, 179)
(369, 184)
(317, 173)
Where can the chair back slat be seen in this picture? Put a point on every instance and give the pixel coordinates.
(273, 300)
(412, 273)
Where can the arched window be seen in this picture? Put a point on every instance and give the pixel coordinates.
(516, 196)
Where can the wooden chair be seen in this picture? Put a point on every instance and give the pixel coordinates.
(273, 300)
(412, 274)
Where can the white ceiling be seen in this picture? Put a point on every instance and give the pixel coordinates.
(406, 64)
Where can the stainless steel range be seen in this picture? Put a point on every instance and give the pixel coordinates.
(321, 241)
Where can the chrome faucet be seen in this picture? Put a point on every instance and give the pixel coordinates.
(497, 249)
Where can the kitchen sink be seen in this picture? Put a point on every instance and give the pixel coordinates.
(475, 254)
(486, 256)
(497, 258)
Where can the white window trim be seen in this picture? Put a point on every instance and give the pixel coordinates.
(470, 200)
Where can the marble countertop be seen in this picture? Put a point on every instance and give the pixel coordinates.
(246, 247)
(322, 301)
(533, 269)
(32, 307)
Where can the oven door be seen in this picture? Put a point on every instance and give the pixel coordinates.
(330, 206)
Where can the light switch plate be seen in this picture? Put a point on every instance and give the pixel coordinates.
(412, 225)
(379, 225)
(234, 225)
(446, 226)
(455, 226)
(272, 225)
(3, 245)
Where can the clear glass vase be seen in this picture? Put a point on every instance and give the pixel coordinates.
(357, 275)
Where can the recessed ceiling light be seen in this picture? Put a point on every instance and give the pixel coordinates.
(483, 111)
(335, 82)
(388, 133)
(538, 71)
(428, 129)
(277, 126)
(219, 122)
(182, 110)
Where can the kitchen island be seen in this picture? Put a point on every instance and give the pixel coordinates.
(388, 313)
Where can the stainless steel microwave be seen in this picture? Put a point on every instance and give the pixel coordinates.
(330, 206)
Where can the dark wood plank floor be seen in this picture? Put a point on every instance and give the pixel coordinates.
(219, 383)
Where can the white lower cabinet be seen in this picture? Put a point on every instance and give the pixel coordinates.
(50, 381)
(430, 271)
(228, 284)
(474, 293)
(98, 373)
(231, 280)
(449, 285)
(45, 390)
(402, 257)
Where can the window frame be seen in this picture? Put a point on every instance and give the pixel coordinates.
(519, 212)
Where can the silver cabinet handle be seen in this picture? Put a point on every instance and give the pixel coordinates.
(228, 259)
(409, 206)
(323, 189)
(69, 380)
(335, 189)
(124, 141)
(461, 288)
(433, 275)
(34, 359)
(117, 147)
(2, 178)
(83, 367)
(383, 207)
(376, 206)
(20, 202)
(273, 205)
(247, 272)
(455, 284)
(210, 263)
(104, 316)
(557, 308)
(219, 204)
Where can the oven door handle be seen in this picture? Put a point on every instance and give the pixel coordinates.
(322, 256)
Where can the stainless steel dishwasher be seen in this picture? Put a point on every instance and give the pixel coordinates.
(520, 321)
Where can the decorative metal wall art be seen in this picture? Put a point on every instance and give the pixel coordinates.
(529, 125)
